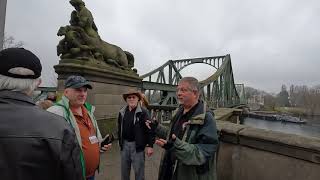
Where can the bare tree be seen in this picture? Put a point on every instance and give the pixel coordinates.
(9, 42)
(313, 101)
(308, 98)
(269, 102)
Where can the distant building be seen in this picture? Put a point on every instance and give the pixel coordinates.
(256, 102)
(256, 99)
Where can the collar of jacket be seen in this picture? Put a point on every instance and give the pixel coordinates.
(198, 115)
(123, 109)
(65, 102)
(16, 95)
(138, 109)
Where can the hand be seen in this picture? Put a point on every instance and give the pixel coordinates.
(166, 144)
(160, 142)
(149, 151)
(148, 124)
(173, 137)
(152, 125)
(106, 147)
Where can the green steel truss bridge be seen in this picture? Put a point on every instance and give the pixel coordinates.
(218, 90)
(159, 85)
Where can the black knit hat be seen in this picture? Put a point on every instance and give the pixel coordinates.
(19, 58)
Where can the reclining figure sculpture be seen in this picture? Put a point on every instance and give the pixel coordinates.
(82, 41)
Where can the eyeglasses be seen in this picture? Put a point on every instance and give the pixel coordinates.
(131, 97)
(183, 90)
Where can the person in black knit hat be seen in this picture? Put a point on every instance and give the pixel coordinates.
(34, 144)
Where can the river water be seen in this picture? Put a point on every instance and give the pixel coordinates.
(310, 128)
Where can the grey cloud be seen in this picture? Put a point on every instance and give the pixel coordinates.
(270, 42)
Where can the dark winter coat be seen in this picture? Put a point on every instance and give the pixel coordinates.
(35, 144)
(143, 136)
(195, 152)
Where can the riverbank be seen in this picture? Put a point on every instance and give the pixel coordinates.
(274, 117)
(293, 111)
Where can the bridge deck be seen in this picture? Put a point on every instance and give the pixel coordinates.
(110, 164)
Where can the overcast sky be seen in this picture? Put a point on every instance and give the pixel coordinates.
(271, 42)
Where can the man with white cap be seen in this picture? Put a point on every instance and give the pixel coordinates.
(34, 144)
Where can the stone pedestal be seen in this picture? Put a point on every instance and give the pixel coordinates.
(108, 84)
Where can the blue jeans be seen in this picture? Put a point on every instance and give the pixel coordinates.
(90, 178)
(129, 157)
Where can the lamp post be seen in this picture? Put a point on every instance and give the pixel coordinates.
(3, 5)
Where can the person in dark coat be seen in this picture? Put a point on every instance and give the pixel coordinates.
(34, 144)
(191, 141)
(134, 137)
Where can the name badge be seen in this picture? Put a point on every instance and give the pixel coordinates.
(93, 139)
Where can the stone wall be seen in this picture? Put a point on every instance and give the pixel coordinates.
(254, 154)
(107, 98)
(108, 85)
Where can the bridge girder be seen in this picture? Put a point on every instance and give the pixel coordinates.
(218, 90)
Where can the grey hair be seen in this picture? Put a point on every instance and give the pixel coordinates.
(193, 82)
(16, 84)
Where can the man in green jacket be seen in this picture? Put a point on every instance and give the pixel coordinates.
(191, 140)
(79, 114)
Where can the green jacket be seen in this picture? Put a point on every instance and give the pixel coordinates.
(62, 108)
(195, 152)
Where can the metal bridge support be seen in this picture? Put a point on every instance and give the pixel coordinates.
(218, 90)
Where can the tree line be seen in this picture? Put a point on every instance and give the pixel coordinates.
(296, 96)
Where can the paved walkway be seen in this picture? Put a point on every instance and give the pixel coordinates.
(110, 164)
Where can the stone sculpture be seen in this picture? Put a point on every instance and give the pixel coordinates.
(82, 41)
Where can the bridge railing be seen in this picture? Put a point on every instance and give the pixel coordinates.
(249, 153)
(161, 113)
